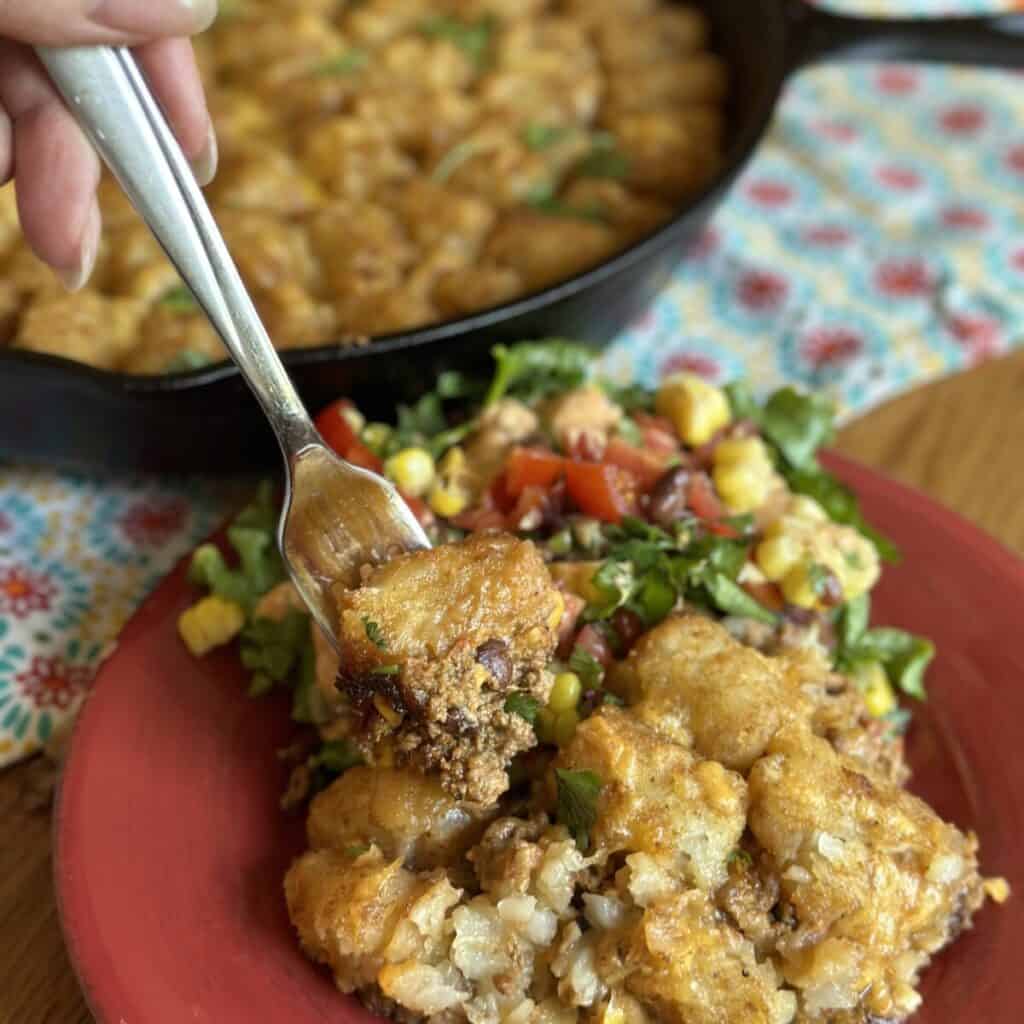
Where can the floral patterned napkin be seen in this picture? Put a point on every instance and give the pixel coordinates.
(876, 242)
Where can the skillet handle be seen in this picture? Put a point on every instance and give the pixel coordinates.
(816, 34)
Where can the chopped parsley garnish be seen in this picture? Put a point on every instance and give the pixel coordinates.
(578, 792)
(454, 159)
(904, 656)
(533, 371)
(523, 705)
(741, 857)
(179, 299)
(374, 634)
(188, 359)
(344, 64)
(731, 598)
(337, 756)
(605, 159)
(386, 670)
(796, 426)
(539, 136)
(356, 850)
(552, 206)
(472, 38)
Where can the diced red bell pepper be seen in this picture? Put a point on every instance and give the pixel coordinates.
(596, 644)
(601, 491)
(658, 432)
(648, 467)
(531, 467)
(342, 437)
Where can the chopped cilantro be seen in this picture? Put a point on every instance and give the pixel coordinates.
(472, 38)
(605, 159)
(374, 634)
(731, 598)
(187, 359)
(578, 792)
(337, 756)
(523, 705)
(179, 299)
(343, 64)
(539, 136)
(272, 648)
(454, 159)
(587, 667)
(538, 369)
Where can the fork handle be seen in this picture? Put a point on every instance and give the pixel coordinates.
(105, 90)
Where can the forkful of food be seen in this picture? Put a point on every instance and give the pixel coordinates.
(337, 518)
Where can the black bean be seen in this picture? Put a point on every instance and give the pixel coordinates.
(493, 655)
(668, 498)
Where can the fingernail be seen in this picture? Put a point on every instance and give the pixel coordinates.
(204, 166)
(74, 278)
(202, 12)
(177, 16)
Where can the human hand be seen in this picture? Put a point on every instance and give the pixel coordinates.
(55, 168)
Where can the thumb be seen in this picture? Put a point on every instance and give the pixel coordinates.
(88, 22)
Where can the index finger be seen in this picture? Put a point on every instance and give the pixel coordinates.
(93, 22)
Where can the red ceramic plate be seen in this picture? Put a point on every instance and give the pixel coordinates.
(171, 847)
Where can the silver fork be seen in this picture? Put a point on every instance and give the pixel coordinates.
(336, 516)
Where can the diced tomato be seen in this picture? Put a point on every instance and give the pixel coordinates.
(419, 508)
(334, 428)
(596, 644)
(767, 594)
(531, 467)
(574, 605)
(359, 455)
(708, 507)
(529, 510)
(602, 491)
(480, 517)
(498, 495)
(702, 499)
(342, 437)
(648, 467)
(586, 445)
(658, 432)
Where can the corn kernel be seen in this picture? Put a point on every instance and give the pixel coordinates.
(565, 694)
(802, 507)
(872, 681)
(697, 409)
(776, 555)
(564, 727)
(412, 470)
(453, 463)
(386, 711)
(544, 726)
(797, 587)
(742, 451)
(555, 618)
(447, 500)
(856, 563)
(209, 623)
(744, 487)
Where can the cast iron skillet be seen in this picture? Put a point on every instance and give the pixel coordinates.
(60, 413)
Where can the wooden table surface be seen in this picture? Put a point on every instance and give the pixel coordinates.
(958, 440)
